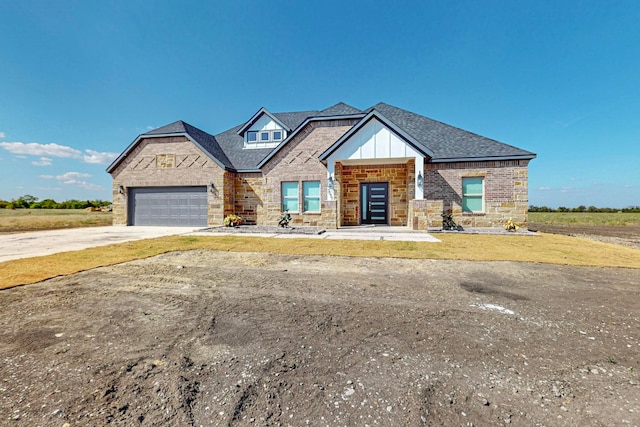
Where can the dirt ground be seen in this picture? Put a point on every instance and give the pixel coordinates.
(618, 235)
(216, 338)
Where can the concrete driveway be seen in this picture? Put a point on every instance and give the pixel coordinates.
(38, 243)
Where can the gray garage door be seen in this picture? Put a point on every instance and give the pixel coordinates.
(171, 206)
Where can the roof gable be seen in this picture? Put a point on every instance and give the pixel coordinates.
(446, 142)
(262, 112)
(372, 140)
(206, 142)
(375, 115)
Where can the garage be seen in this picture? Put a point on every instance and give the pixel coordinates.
(168, 206)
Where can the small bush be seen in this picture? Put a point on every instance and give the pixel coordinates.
(232, 220)
(511, 226)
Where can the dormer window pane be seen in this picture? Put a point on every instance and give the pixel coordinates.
(264, 136)
(277, 135)
(252, 136)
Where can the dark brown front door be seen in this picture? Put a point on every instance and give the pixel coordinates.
(374, 202)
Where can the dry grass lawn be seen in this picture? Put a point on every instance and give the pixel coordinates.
(19, 220)
(545, 248)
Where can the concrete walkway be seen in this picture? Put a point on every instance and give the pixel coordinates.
(39, 243)
(346, 233)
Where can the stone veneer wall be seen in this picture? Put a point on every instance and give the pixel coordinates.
(399, 177)
(192, 167)
(505, 194)
(298, 161)
(248, 192)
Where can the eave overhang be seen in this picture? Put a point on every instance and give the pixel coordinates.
(530, 156)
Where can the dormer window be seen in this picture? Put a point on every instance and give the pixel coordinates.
(263, 130)
(263, 138)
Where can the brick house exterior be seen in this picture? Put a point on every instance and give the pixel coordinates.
(332, 168)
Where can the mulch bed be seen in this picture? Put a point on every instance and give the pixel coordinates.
(264, 229)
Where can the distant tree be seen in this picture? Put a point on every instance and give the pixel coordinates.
(580, 208)
(533, 208)
(563, 209)
(45, 204)
(592, 209)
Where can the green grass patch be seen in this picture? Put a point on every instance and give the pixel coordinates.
(586, 218)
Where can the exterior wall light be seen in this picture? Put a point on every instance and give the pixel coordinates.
(212, 188)
(120, 189)
(420, 180)
(330, 183)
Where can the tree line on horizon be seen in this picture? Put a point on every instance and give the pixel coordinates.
(31, 202)
(582, 208)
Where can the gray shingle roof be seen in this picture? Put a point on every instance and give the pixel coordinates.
(447, 142)
(340, 109)
(444, 142)
(207, 142)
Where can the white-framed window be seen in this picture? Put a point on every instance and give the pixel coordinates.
(473, 194)
(311, 196)
(290, 197)
(264, 138)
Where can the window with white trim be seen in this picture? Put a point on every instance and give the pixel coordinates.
(473, 194)
(290, 197)
(263, 138)
(311, 196)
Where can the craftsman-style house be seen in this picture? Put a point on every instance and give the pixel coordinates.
(331, 168)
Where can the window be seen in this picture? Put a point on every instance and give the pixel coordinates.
(311, 194)
(165, 161)
(264, 138)
(290, 196)
(473, 194)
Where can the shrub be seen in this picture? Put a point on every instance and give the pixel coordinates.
(511, 226)
(232, 220)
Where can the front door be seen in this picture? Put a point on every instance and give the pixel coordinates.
(374, 202)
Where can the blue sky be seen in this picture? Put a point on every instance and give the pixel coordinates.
(79, 80)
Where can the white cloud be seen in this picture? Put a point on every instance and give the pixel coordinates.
(56, 150)
(35, 149)
(544, 188)
(2, 134)
(44, 161)
(99, 158)
(150, 127)
(74, 178)
(83, 184)
(72, 175)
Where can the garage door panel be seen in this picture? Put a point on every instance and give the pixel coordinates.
(168, 206)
